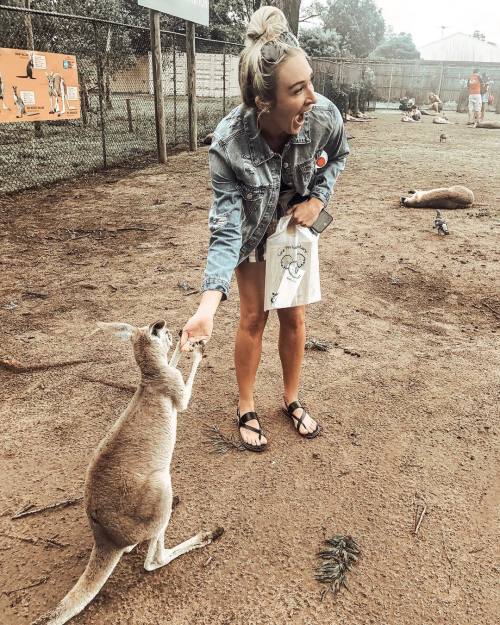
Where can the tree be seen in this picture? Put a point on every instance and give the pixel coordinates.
(317, 41)
(396, 46)
(477, 34)
(359, 23)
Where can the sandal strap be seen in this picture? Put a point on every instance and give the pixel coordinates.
(297, 421)
(249, 416)
(291, 408)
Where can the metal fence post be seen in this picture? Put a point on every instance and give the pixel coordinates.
(224, 81)
(191, 85)
(174, 69)
(390, 85)
(101, 95)
(440, 80)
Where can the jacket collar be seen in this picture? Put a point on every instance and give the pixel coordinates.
(260, 152)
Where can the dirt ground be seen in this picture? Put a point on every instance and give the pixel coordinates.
(413, 413)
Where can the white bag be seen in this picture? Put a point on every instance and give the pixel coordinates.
(292, 267)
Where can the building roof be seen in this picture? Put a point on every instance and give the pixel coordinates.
(461, 47)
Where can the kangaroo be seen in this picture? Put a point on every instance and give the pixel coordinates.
(440, 119)
(29, 69)
(493, 125)
(451, 197)
(128, 490)
(4, 106)
(57, 89)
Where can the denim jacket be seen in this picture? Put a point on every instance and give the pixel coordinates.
(247, 176)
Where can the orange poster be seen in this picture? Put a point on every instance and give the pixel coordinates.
(38, 86)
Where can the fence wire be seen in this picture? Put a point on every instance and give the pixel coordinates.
(117, 123)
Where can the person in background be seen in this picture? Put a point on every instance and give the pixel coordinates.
(475, 100)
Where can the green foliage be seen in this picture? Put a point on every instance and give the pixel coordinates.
(317, 41)
(359, 23)
(400, 46)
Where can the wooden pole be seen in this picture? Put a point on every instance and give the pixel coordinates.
(161, 139)
(191, 86)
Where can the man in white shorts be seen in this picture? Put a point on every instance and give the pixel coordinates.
(475, 101)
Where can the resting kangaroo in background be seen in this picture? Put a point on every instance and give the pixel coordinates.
(128, 490)
(451, 197)
(487, 124)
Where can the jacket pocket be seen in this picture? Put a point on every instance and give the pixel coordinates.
(252, 198)
(305, 172)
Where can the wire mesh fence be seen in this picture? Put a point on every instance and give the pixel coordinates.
(117, 122)
(392, 79)
(116, 95)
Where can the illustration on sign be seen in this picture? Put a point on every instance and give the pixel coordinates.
(38, 86)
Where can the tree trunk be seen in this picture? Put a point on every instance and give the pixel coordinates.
(291, 9)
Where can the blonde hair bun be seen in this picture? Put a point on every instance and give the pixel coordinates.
(266, 24)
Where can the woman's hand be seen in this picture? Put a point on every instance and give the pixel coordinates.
(306, 213)
(198, 328)
(201, 324)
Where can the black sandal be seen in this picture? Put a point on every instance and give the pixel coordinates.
(298, 421)
(242, 423)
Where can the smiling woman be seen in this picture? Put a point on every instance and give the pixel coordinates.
(279, 152)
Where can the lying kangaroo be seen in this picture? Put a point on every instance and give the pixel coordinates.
(441, 119)
(128, 491)
(451, 197)
(485, 124)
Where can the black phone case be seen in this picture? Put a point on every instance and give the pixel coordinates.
(323, 221)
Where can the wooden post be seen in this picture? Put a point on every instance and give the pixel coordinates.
(191, 86)
(161, 139)
(129, 115)
(101, 97)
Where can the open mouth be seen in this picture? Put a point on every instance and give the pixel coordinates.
(299, 119)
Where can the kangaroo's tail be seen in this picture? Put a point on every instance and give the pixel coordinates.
(103, 560)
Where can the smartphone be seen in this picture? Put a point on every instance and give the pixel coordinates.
(323, 221)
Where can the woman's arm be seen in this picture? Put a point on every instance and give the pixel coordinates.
(224, 247)
(224, 223)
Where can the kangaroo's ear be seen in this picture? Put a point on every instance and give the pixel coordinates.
(122, 331)
(155, 327)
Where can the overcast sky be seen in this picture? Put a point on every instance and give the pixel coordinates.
(424, 18)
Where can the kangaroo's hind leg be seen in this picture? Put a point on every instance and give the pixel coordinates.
(159, 556)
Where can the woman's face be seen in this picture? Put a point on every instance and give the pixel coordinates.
(294, 96)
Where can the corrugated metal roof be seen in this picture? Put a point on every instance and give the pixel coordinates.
(461, 47)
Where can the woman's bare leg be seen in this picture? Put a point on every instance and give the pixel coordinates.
(292, 341)
(248, 346)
